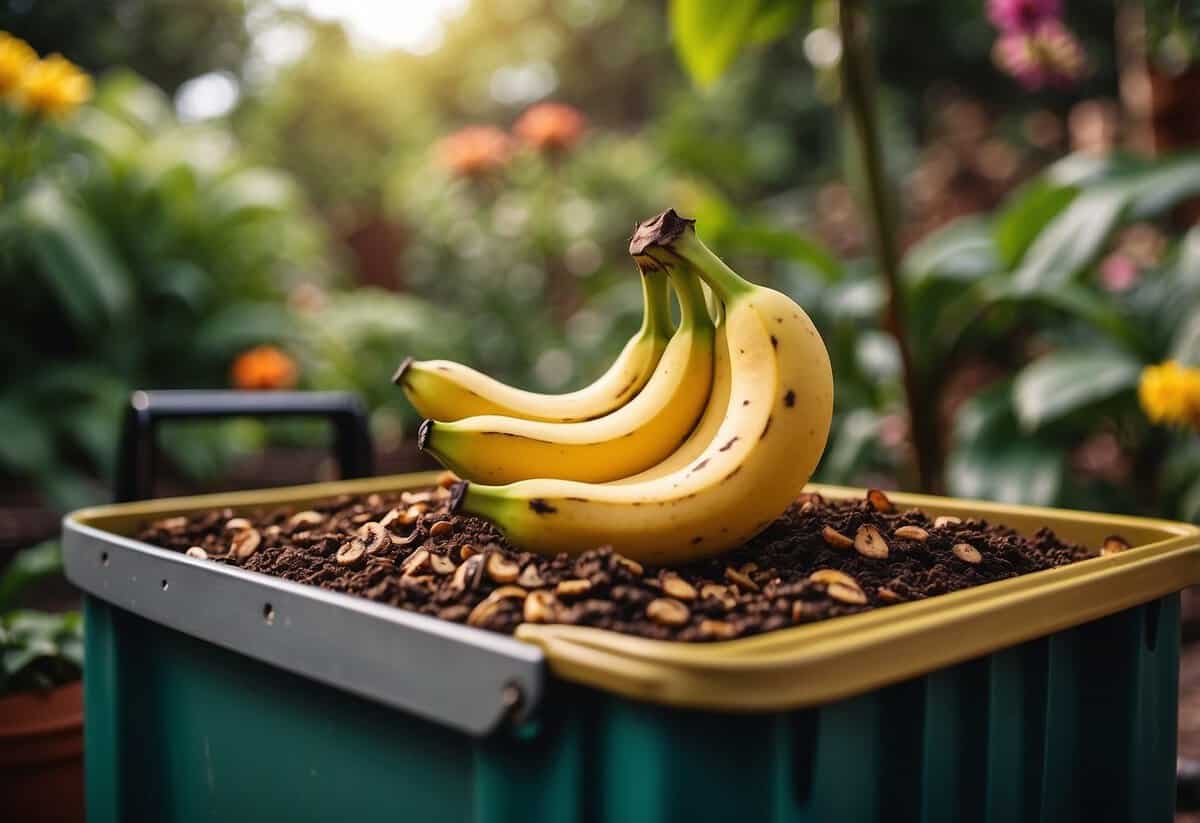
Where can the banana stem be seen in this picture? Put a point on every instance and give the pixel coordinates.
(723, 280)
(858, 88)
(656, 297)
(693, 310)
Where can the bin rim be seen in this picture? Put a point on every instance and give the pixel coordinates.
(799, 666)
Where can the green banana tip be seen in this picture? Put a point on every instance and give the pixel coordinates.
(401, 370)
(457, 492)
(660, 230)
(423, 434)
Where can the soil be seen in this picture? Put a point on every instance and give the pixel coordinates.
(820, 559)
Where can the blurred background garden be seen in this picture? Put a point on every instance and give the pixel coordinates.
(268, 194)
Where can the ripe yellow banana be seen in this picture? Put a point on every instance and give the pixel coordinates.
(445, 390)
(493, 449)
(773, 429)
(706, 429)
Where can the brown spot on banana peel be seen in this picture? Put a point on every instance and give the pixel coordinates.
(766, 429)
(774, 342)
(540, 506)
(577, 499)
(731, 474)
(696, 540)
(789, 399)
(727, 446)
(700, 465)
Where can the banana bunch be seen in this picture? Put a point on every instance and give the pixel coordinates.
(692, 459)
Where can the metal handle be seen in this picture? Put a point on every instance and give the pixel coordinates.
(137, 457)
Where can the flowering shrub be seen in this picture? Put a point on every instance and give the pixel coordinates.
(526, 234)
(134, 253)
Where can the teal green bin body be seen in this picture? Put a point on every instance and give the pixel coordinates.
(1075, 726)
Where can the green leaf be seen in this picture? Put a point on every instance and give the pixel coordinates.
(1065, 382)
(1073, 239)
(853, 435)
(775, 19)
(963, 250)
(783, 245)
(856, 300)
(39, 650)
(1186, 348)
(1076, 301)
(1157, 190)
(251, 192)
(67, 489)
(1025, 215)
(242, 325)
(92, 284)
(27, 446)
(708, 34)
(26, 568)
(991, 459)
(1189, 503)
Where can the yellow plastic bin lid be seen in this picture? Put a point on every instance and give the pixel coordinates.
(829, 660)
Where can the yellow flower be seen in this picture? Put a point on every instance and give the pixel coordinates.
(16, 57)
(1170, 394)
(54, 87)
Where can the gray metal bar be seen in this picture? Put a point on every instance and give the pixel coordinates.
(462, 677)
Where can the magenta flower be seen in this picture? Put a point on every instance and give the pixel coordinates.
(1048, 56)
(1022, 16)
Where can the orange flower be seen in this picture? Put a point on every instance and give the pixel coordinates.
(263, 367)
(550, 127)
(474, 151)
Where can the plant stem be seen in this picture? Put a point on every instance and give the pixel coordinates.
(858, 91)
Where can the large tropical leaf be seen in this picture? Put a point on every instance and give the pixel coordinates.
(964, 250)
(1066, 382)
(26, 568)
(853, 435)
(1026, 214)
(709, 34)
(1073, 239)
(26, 446)
(90, 281)
(1158, 189)
(1076, 301)
(992, 459)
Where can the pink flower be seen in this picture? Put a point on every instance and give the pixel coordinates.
(1048, 56)
(1022, 16)
(1118, 272)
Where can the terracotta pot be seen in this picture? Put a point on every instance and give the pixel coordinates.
(41, 755)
